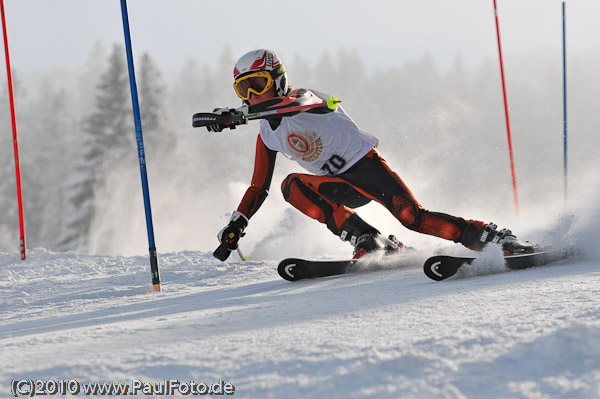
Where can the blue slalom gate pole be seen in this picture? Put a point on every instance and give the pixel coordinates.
(140, 147)
(564, 97)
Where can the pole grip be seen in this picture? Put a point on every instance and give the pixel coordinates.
(222, 252)
(202, 119)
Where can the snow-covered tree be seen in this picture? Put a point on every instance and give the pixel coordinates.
(151, 91)
(51, 141)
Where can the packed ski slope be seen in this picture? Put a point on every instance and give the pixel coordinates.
(377, 334)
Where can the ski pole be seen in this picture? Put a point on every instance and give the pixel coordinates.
(241, 255)
(242, 115)
(331, 103)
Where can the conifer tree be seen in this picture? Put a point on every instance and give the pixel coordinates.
(152, 95)
(50, 154)
(9, 222)
(108, 142)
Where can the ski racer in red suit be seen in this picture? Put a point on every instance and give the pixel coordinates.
(346, 169)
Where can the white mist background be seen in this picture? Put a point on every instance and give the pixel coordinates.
(401, 72)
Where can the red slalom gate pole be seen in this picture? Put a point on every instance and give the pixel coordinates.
(15, 141)
(510, 149)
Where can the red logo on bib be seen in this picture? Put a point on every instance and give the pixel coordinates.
(306, 146)
(298, 143)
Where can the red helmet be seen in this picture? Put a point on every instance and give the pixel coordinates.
(256, 71)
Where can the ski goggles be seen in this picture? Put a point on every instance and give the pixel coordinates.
(258, 83)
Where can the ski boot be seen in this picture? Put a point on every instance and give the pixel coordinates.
(367, 243)
(366, 238)
(392, 244)
(509, 242)
(374, 242)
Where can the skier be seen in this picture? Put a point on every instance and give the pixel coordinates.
(346, 169)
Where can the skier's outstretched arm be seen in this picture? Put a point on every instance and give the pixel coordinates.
(264, 164)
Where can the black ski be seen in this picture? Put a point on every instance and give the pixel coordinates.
(441, 267)
(293, 269)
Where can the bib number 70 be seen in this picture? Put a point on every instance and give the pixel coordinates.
(334, 165)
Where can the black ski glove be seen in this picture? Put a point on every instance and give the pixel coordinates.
(216, 128)
(231, 118)
(230, 235)
(219, 127)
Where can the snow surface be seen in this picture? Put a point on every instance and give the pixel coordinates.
(379, 334)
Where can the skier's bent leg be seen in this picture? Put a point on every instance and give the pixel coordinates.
(318, 196)
(442, 225)
(309, 201)
(374, 177)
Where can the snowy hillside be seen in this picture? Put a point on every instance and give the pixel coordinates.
(382, 334)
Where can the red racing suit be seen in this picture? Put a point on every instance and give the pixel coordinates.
(353, 176)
